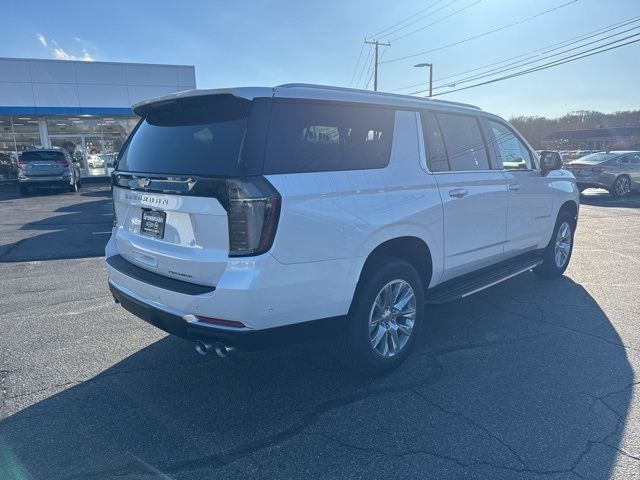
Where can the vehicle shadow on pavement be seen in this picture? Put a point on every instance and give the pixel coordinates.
(525, 379)
(76, 231)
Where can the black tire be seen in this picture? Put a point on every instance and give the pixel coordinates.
(354, 346)
(24, 190)
(615, 187)
(549, 267)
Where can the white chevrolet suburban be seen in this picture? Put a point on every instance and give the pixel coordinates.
(251, 217)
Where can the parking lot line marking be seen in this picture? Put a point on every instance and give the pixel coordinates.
(101, 233)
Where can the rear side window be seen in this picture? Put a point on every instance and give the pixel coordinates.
(464, 142)
(42, 156)
(512, 154)
(317, 137)
(436, 153)
(189, 136)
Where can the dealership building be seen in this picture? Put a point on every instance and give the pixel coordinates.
(55, 103)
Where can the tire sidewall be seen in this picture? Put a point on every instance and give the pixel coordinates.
(614, 193)
(357, 334)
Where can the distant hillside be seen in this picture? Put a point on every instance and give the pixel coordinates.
(536, 128)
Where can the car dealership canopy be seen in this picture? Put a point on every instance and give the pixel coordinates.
(85, 106)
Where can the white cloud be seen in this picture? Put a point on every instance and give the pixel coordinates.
(60, 53)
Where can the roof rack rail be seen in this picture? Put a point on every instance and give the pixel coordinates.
(383, 94)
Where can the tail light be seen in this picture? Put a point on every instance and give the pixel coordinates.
(22, 164)
(64, 163)
(253, 209)
(597, 169)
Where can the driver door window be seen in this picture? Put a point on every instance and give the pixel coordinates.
(511, 153)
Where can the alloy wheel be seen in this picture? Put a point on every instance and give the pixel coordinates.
(392, 318)
(622, 186)
(563, 244)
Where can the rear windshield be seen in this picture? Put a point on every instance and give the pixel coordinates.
(191, 136)
(595, 158)
(43, 157)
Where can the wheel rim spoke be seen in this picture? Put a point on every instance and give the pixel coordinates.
(392, 318)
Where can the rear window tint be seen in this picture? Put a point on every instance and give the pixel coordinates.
(436, 152)
(42, 156)
(309, 137)
(191, 136)
(464, 142)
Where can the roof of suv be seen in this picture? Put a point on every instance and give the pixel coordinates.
(316, 92)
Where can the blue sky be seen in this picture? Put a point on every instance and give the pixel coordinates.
(274, 42)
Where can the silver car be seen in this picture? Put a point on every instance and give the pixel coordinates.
(47, 167)
(616, 171)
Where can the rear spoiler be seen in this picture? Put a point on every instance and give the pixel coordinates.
(248, 93)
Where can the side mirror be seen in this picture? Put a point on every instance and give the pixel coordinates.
(550, 161)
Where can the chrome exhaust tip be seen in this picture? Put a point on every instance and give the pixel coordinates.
(223, 350)
(220, 349)
(203, 348)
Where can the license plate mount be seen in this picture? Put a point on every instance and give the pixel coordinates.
(153, 222)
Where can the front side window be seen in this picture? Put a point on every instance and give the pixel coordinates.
(635, 158)
(512, 154)
(318, 137)
(464, 142)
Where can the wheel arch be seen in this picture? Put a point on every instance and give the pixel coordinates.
(412, 249)
(570, 207)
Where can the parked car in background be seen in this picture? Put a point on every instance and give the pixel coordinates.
(47, 167)
(267, 215)
(95, 161)
(616, 171)
(7, 166)
(109, 159)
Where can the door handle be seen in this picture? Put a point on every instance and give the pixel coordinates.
(514, 187)
(458, 192)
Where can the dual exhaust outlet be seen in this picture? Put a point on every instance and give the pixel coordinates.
(220, 349)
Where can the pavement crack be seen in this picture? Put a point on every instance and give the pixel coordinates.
(472, 422)
(217, 461)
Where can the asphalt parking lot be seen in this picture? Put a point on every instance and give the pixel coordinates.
(530, 379)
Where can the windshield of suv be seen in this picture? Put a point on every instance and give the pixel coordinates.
(596, 158)
(191, 136)
(42, 156)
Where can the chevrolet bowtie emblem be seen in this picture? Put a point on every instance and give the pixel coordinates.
(143, 182)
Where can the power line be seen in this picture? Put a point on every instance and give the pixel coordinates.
(520, 63)
(364, 66)
(571, 58)
(357, 64)
(437, 21)
(553, 46)
(468, 39)
(544, 50)
(405, 19)
(418, 19)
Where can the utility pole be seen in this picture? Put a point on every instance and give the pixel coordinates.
(375, 65)
(430, 65)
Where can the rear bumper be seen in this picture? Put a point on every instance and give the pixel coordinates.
(259, 291)
(595, 181)
(48, 180)
(187, 326)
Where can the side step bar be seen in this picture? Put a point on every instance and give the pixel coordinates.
(458, 288)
